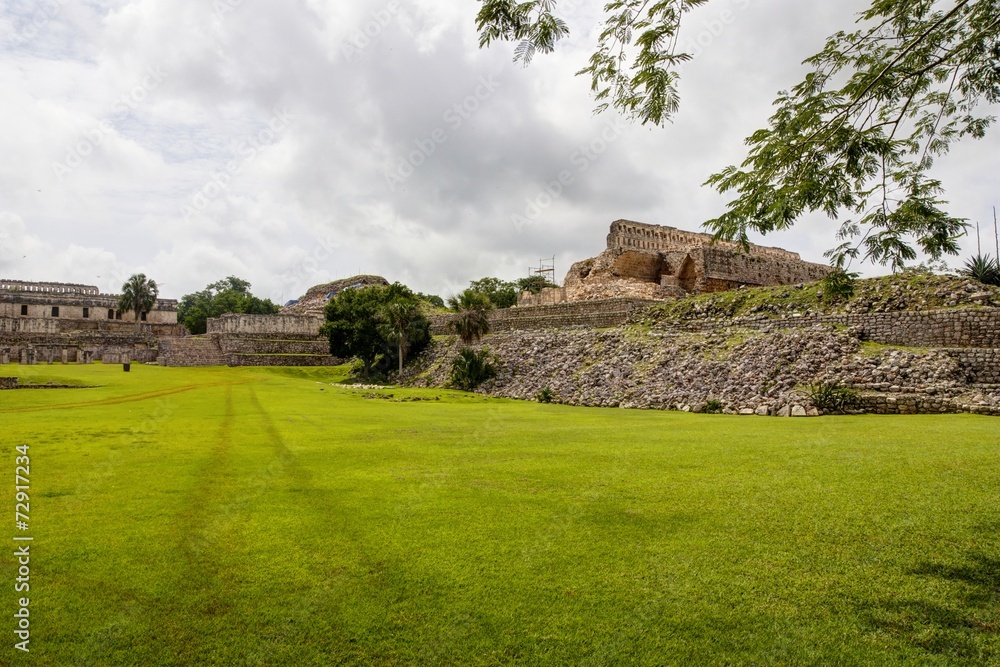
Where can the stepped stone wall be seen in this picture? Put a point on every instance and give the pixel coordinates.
(191, 351)
(597, 314)
(957, 327)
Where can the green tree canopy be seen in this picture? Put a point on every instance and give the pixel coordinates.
(856, 139)
(378, 324)
(138, 295)
(472, 321)
(231, 295)
(534, 284)
(501, 293)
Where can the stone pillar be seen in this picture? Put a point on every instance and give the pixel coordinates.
(32, 357)
(24, 356)
(6, 359)
(65, 355)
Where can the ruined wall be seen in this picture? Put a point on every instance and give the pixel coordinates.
(593, 314)
(656, 262)
(68, 301)
(293, 326)
(950, 328)
(723, 266)
(254, 340)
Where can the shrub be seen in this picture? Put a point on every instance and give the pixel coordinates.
(471, 368)
(546, 395)
(832, 397)
(839, 284)
(983, 268)
(713, 406)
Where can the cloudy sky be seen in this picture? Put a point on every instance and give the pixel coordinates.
(297, 142)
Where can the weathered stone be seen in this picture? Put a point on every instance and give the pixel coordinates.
(798, 411)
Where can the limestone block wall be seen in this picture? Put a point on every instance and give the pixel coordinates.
(8, 383)
(959, 327)
(290, 326)
(596, 314)
(727, 266)
(628, 234)
(980, 365)
(242, 345)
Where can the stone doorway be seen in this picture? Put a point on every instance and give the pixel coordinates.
(687, 277)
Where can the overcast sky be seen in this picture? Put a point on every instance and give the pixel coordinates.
(298, 142)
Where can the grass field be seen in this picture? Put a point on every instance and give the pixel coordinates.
(217, 516)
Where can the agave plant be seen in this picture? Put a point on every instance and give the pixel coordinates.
(983, 268)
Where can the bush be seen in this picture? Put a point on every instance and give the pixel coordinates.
(832, 397)
(983, 268)
(713, 406)
(838, 284)
(546, 395)
(471, 368)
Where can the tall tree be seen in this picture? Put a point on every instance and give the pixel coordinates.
(400, 320)
(138, 295)
(472, 321)
(857, 137)
(501, 293)
(231, 295)
(367, 323)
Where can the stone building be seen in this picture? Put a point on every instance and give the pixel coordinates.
(69, 301)
(655, 262)
(66, 322)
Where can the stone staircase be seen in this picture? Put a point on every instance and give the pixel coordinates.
(191, 351)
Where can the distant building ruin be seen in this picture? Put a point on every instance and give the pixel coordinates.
(43, 322)
(656, 262)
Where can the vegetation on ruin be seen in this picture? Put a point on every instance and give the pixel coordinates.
(271, 516)
(472, 321)
(983, 268)
(138, 295)
(856, 139)
(471, 368)
(913, 289)
(230, 295)
(504, 293)
(501, 293)
(382, 326)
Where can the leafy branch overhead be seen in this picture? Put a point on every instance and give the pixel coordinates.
(633, 68)
(855, 139)
(860, 133)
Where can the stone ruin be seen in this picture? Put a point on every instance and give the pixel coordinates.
(653, 262)
(48, 322)
(314, 301)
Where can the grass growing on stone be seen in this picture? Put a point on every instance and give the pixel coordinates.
(256, 516)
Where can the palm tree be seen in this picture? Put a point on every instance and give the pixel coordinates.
(472, 321)
(138, 295)
(397, 320)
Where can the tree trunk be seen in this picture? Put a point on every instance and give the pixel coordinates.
(400, 347)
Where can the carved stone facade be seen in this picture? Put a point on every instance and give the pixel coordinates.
(43, 322)
(69, 301)
(654, 262)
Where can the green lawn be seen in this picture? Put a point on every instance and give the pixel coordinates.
(266, 517)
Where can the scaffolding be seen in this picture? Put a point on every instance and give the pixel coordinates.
(546, 269)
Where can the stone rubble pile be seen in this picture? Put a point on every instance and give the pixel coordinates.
(740, 371)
